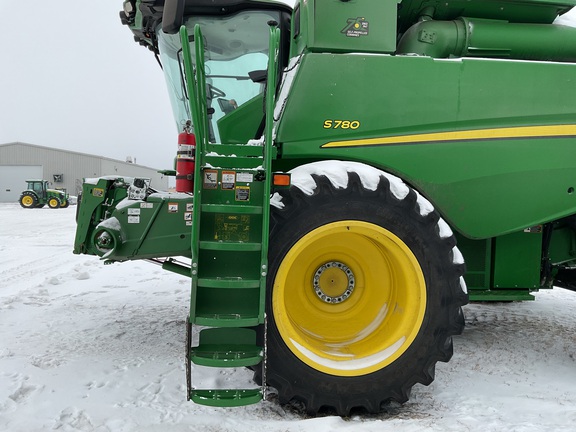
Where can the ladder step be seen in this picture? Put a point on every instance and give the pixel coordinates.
(226, 355)
(228, 283)
(228, 208)
(225, 345)
(235, 149)
(230, 246)
(226, 398)
(226, 320)
(249, 164)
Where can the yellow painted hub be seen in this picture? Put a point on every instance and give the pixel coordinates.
(380, 317)
(27, 200)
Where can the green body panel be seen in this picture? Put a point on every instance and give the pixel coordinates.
(517, 259)
(504, 268)
(369, 24)
(238, 126)
(472, 179)
(148, 226)
(563, 245)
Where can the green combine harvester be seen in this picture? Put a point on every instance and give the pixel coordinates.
(330, 157)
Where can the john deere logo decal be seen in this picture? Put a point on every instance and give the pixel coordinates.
(356, 27)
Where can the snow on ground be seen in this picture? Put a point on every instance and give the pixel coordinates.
(88, 347)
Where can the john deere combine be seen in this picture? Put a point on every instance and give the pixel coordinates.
(330, 157)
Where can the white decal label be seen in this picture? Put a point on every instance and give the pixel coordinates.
(244, 177)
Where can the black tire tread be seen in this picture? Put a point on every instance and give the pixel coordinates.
(309, 399)
(34, 199)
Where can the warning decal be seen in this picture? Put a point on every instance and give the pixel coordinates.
(228, 179)
(210, 179)
(242, 193)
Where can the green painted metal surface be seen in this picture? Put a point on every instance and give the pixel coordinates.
(116, 226)
(465, 37)
(470, 133)
(214, 348)
(496, 295)
(524, 11)
(229, 235)
(371, 25)
(517, 259)
(474, 108)
(488, 141)
(226, 398)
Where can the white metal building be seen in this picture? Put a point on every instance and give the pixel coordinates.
(63, 168)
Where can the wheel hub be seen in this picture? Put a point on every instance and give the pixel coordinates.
(334, 282)
(104, 241)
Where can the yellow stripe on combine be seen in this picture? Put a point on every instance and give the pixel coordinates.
(467, 135)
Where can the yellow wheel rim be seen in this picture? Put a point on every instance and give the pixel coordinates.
(53, 203)
(27, 200)
(349, 298)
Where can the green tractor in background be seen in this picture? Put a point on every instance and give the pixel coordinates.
(38, 195)
(330, 158)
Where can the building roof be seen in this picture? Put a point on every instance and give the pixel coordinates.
(18, 143)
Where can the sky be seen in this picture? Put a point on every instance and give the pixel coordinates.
(73, 78)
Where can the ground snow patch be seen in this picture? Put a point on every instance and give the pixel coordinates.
(106, 353)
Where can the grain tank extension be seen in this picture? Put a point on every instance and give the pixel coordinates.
(349, 174)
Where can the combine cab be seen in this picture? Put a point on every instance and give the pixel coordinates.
(330, 158)
(38, 195)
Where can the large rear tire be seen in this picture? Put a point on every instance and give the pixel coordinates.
(364, 293)
(28, 200)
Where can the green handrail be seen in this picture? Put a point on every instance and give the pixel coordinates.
(272, 77)
(195, 81)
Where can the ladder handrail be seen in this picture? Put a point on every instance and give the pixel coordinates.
(191, 81)
(194, 79)
(273, 50)
(196, 84)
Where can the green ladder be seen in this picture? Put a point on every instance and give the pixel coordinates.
(230, 225)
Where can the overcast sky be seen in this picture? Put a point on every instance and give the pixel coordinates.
(72, 77)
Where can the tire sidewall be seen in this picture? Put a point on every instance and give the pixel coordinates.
(50, 203)
(32, 196)
(418, 232)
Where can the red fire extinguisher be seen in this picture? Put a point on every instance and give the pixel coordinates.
(185, 160)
